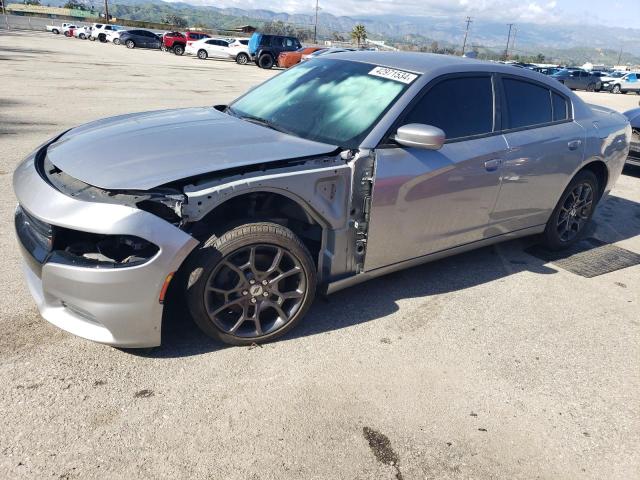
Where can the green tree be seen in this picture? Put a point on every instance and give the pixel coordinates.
(31, 2)
(176, 20)
(539, 58)
(76, 5)
(359, 34)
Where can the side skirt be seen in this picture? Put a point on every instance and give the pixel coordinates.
(378, 272)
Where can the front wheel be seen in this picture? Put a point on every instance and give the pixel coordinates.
(573, 212)
(163, 47)
(591, 87)
(56, 31)
(116, 41)
(67, 34)
(242, 59)
(130, 44)
(252, 284)
(202, 54)
(82, 36)
(92, 38)
(178, 49)
(616, 89)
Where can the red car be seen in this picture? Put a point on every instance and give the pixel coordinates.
(177, 42)
(289, 59)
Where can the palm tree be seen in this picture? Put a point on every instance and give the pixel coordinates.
(359, 33)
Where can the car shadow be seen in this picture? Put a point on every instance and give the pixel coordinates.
(615, 220)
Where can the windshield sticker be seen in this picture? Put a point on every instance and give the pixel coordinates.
(392, 74)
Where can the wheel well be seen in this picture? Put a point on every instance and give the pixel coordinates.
(262, 206)
(599, 169)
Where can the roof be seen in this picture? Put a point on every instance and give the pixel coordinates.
(412, 61)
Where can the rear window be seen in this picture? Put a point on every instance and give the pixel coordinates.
(560, 107)
(244, 42)
(528, 104)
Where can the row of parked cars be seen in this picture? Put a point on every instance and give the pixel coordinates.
(266, 51)
(591, 81)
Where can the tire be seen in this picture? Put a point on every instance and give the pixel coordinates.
(223, 264)
(178, 49)
(202, 54)
(573, 212)
(116, 41)
(82, 36)
(67, 34)
(616, 89)
(56, 31)
(92, 38)
(265, 61)
(130, 44)
(242, 59)
(591, 87)
(163, 48)
(103, 38)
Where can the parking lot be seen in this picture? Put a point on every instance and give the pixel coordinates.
(490, 364)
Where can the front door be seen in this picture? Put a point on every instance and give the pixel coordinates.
(631, 83)
(425, 201)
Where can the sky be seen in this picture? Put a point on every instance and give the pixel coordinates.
(614, 13)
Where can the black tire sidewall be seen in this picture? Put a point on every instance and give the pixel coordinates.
(269, 61)
(130, 44)
(551, 238)
(178, 49)
(202, 262)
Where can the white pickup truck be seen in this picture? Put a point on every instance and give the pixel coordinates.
(57, 29)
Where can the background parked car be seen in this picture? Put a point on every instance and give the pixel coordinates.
(100, 31)
(289, 59)
(627, 83)
(177, 42)
(82, 33)
(68, 30)
(634, 149)
(578, 80)
(220, 48)
(325, 51)
(265, 49)
(114, 36)
(57, 28)
(140, 39)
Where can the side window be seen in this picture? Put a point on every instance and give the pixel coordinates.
(560, 107)
(210, 42)
(461, 107)
(575, 74)
(632, 77)
(527, 104)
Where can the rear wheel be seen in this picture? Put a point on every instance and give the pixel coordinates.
(573, 212)
(102, 37)
(202, 54)
(82, 36)
(116, 41)
(67, 34)
(178, 49)
(130, 44)
(163, 47)
(265, 61)
(56, 31)
(252, 284)
(92, 38)
(242, 59)
(591, 87)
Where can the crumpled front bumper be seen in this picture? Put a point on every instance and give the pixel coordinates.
(116, 306)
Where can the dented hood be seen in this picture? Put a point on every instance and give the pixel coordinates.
(144, 150)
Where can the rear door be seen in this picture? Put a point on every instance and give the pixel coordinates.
(545, 147)
(631, 83)
(430, 200)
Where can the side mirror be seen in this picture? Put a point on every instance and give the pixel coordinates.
(418, 135)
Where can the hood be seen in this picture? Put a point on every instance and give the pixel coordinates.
(144, 150)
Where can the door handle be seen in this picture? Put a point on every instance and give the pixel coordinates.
(574, 144)
(492, 165)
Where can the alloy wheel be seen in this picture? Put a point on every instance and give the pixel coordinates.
(575, 212)
(255, 290)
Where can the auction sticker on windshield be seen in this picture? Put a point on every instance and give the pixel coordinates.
(392, 74)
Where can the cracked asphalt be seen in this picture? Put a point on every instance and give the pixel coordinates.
(491, 364)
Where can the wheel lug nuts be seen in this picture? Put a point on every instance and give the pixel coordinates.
(264, 282)
(252, 281)
(244, 292)
(253, 300)
(265, 294)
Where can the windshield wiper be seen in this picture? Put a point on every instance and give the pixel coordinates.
(263, 122)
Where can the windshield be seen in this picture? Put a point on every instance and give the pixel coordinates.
(331, 101)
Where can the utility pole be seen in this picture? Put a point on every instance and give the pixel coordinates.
(466, 32)
(513, 42)
(620, 55)
(506, 51)
(106, 11)
(315, 26)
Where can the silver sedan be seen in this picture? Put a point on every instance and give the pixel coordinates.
(338, 170)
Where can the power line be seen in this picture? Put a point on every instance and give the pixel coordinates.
(466, 32)
(315, 25)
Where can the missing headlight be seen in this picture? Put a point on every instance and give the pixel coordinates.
(110, 251)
